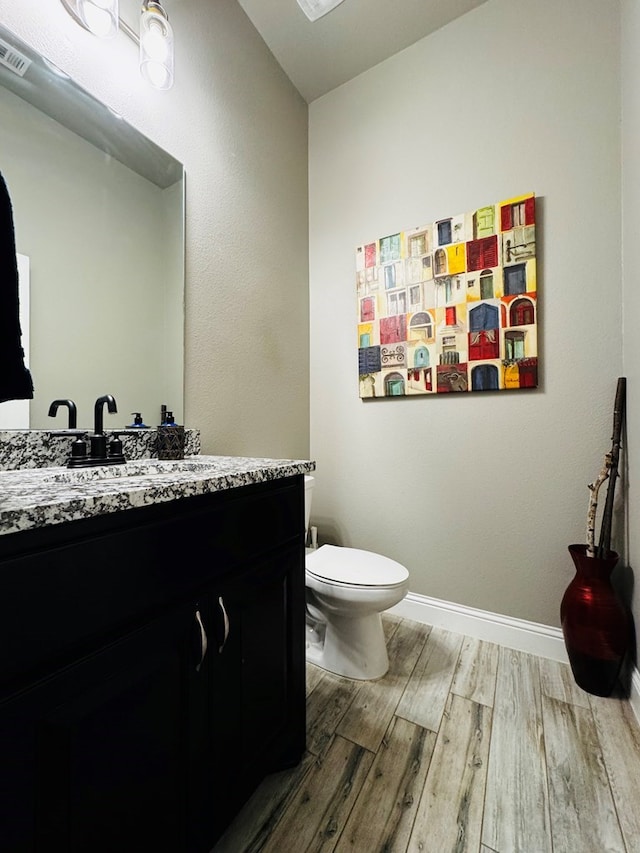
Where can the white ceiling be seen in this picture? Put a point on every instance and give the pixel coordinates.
(354, 37)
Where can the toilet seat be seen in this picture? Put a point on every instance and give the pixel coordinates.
(354, 567)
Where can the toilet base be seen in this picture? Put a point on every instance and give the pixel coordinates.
(353, 647)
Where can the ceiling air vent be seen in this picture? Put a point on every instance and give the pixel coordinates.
(315, 9)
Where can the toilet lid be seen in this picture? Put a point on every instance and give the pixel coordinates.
(353, 566)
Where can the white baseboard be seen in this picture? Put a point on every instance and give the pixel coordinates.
(507, 631)
(519, 634)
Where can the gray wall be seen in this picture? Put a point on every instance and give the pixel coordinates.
(631, 293)
(478, 495)
(240, 128)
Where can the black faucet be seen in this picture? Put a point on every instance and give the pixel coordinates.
(73, 414)
(99, 453)
(98, 441)
(98, 410)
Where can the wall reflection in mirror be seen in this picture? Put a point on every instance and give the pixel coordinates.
(99, 220)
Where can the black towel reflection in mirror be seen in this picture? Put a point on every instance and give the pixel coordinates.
(15, 379)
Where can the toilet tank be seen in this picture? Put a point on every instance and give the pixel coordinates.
(308, 486)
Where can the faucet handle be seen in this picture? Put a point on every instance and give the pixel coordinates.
(78, 455)
(115, 448)
(79, 446)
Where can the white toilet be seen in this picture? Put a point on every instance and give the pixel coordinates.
(347, 590)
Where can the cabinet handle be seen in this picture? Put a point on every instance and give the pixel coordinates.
(203, 640)
(226, 625)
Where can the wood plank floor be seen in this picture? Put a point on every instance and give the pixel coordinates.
(462, 746)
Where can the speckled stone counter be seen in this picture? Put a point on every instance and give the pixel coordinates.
(38, 497)
(39, 448)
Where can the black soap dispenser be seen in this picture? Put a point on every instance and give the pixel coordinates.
(137, 422)
(170, 437)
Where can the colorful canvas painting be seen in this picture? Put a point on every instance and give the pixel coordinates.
(450, 306)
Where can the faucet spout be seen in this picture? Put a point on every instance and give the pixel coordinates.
(98, 428)
(73, 414)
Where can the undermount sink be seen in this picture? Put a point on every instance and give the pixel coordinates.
(135, 468)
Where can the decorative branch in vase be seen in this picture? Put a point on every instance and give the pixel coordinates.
(595, 624)
(594, 488)
(604, 544)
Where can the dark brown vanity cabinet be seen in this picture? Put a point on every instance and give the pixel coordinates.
(152, 667)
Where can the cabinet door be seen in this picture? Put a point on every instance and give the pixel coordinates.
(269, 617)
(93, 758)
(256, 681)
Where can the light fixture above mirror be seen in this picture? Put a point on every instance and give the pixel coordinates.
(156, 45)
(315, 9)
(155, 39)
(100, 17)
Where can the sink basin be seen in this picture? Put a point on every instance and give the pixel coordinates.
(135, 468)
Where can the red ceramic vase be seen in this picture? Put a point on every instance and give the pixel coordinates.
(595, 624)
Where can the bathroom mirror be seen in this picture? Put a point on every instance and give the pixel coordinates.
(99, 214)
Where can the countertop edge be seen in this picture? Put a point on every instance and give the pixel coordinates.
(33, 498)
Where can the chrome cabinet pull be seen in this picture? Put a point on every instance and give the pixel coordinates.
(226, 625)
(203, 640)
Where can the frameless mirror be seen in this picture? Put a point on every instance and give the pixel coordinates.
(99, 224)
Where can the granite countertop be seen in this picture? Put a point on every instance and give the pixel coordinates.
(39, 497)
